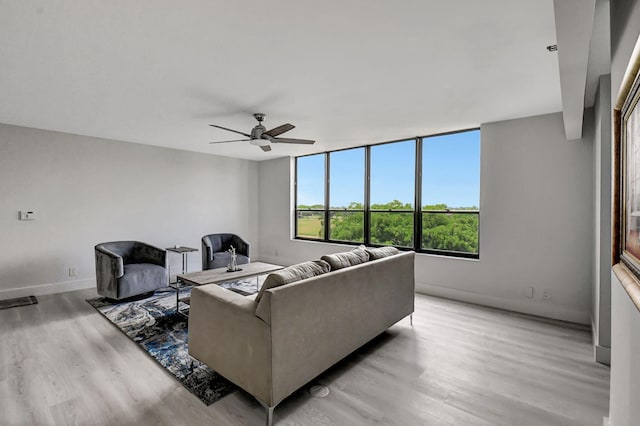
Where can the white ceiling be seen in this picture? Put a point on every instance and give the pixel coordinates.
(345, 73)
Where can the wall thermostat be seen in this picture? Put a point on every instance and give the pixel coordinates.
(27, 215)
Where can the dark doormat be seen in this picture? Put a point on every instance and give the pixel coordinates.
(18, 301)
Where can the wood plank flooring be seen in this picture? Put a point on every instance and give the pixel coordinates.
(62, 363)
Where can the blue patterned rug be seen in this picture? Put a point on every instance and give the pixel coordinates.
(155, 326)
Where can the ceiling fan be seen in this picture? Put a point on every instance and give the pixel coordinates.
(264, 138)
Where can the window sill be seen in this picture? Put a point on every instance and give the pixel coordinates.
(629, 283)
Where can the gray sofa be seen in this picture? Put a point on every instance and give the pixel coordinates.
(275, 343)
(215, 250)
(129, 268)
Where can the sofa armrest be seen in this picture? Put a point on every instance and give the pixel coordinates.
(225, 334)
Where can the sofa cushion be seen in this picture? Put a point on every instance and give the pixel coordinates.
(294, 273)
(346, 259)
(380, 252)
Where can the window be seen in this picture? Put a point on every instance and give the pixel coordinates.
(450, 192)
(310, 195)
(421, 194)
(392, 193)
(346, 195)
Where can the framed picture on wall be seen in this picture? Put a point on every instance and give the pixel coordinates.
(627, 143)
(630, 134)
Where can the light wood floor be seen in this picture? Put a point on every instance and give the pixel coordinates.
(62, 363)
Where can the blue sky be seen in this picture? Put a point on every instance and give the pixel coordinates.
(451, 173)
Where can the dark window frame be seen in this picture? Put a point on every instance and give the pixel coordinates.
(417, 211)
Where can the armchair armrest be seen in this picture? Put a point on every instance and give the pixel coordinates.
(108, 262)
(207, 249)
(242, 246)
(109, 268)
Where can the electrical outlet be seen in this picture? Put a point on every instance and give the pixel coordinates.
(276, 252)
(528, 292)
(546, 295)
(73, 271)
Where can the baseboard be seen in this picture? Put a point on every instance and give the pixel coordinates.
(530, 306)
(602, 354)
(50, 288)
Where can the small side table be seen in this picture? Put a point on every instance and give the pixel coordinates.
(183, 251)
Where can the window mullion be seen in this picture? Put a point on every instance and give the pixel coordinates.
(326, 195)
(367, 196)
(295, 200)
(417, 207)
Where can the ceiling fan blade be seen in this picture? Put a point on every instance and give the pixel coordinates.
(289, 140)
(279, 130)
(265, 148)
(235, 140)
(230, 130)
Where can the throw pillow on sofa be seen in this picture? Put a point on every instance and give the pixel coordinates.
(294, 273)
(346, 259)
(380, 252)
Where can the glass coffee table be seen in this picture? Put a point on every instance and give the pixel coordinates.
(220, 275)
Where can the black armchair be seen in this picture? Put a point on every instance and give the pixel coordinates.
(129, 268)
(215, 250)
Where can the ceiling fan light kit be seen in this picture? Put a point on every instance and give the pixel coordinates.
(262, 137)
(260, 142)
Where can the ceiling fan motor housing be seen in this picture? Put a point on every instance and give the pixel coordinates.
(256, 132)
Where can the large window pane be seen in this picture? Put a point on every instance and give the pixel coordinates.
(393, 176)
(310, 181)
(346, 183)
(392, 229)
(450, 232)
(451, 171)
(310, 224)
(370, 194)
(346, 226)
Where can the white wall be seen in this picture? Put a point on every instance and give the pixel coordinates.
(601, 302)
(624, 409)
(536, 223)
(625, 319)
(87, 190)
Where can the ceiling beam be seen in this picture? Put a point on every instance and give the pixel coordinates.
(574, 26)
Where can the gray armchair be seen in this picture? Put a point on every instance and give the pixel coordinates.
(215, 254)
(129, 268)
